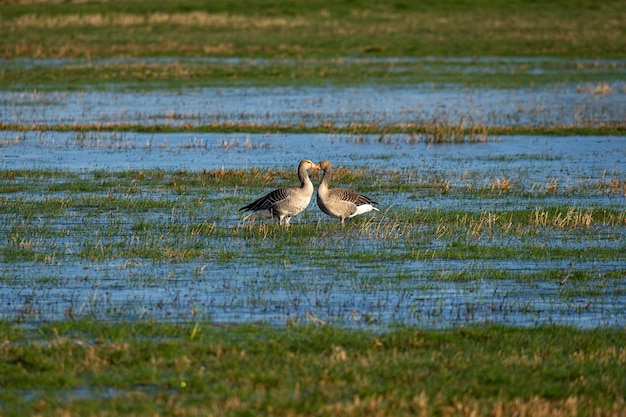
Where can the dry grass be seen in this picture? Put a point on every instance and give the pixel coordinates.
(197, 19)
(614, 220)
(443, 130)
(503, 184)
(573, 218)
(420, 406)
(386, 227)
(552, 186)
(601, 88)
(541, 407)
(489, 224)
(612, 186)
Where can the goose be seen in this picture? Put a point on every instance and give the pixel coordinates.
(284, 203)
(338, 202)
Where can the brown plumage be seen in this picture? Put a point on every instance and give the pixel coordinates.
(338, 202)
(284, 203)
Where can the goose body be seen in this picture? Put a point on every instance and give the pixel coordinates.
(338, 202)
(284, 203)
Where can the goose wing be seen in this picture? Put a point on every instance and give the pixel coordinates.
(268, 201)
(352, 197)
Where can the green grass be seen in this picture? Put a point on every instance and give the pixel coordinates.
(194, 369)
(186, 216)
(138, 74)
(309, 43)
(428, 132)
(317, 29)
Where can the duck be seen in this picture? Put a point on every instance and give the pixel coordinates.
(284, 203)
(338, 202)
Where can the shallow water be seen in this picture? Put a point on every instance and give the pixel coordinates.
(350, 292)
(136, 290)
(550, 105)
(527, 160)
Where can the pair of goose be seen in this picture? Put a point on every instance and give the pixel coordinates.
(285, 203)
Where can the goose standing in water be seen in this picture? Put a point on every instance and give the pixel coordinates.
(338, 202)
(284, 203)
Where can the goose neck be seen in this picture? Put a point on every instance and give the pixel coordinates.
(303, 175)
(326, 178)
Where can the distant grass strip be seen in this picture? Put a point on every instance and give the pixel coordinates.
(423, 132)
(148, 368)
(138, 45)
(320, 28)
(176, 72)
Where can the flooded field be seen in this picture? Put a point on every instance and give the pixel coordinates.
(585, 104)
(519, 230)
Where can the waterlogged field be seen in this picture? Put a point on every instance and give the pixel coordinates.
(586, 105)
(491, 281)
(128, 210)
(124, 226)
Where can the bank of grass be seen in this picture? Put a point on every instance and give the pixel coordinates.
(175, 73)
(144, 186)
(285, 43)
(427, 132)
(147, 368)
(582, 28)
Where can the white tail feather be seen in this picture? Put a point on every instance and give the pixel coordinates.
(364, 208)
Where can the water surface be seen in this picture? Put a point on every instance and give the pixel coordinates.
(347, 291)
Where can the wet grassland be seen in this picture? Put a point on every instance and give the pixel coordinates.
(142, 292)
(445, 249)
(491, 282)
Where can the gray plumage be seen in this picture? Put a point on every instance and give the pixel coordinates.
(284, 203)
(338, 202)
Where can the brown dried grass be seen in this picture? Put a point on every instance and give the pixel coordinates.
(196, 18)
